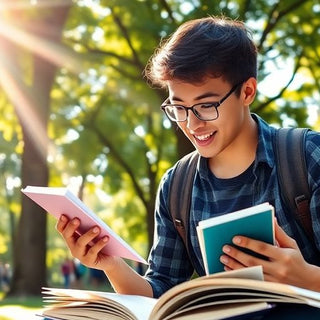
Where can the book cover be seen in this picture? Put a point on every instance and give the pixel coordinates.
(57, 201)
(255, 222)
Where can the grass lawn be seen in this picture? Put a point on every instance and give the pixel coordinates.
(28, 308)
(19, 309)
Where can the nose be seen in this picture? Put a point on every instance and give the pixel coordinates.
(193, 122)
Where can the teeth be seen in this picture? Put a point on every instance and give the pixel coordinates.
(204, 137)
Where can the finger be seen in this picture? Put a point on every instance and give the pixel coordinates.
(243, 258)
(226, 268)
(87, 239)
(282, 238)
(95, 250)
(269, 277)
(268, 250)
(62, 222)
(274, 254)
(230, 263)
(70, 229)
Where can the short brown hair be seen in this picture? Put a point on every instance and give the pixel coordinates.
(212, 46)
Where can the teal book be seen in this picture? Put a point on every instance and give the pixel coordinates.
(255, 222)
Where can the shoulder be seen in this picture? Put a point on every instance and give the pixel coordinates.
(312, 148)
(179, 169)
(186, 163)
(312, 140)
(177, 178)
(165, 181)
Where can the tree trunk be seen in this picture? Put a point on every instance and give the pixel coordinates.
(29, 258)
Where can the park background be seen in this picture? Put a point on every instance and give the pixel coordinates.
(77, 112)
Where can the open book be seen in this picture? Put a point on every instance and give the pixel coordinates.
(223, 295)
(59, 201)
(255, 222)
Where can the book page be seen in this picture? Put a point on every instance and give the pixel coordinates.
(216, 313)
(234, 215)
(168, 298)
(84, 302)
(254, 273)
(210, 288)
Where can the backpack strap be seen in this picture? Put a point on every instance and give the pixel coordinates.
(289, 146)
(180, 194)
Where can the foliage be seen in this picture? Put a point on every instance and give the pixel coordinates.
(116, 117)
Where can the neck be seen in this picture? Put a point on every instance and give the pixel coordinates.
(238, 155)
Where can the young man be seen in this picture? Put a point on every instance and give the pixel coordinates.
(209, 68)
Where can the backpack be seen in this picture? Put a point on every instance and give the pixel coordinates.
(289, 146)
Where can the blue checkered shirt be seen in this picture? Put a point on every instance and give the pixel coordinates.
(211, 196)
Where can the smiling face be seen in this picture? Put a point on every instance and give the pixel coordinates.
(228, 134)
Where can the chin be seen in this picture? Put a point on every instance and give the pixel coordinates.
(205, 153)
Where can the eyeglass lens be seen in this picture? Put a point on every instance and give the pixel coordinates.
(203, 111)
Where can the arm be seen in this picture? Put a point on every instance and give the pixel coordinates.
(285, 262)
(122, 277)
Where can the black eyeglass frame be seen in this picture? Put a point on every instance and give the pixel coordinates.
(215, 104)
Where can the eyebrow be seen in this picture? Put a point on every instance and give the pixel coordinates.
(202, 96)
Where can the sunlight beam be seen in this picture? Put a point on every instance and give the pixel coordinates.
(57, 54)
(25, 106)
(17, 5)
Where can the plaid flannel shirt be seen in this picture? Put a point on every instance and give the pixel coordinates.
(168, 260)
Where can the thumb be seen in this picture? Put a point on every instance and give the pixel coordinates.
(282, 239)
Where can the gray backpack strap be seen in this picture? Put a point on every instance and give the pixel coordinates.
(180, 193)
(289, 146)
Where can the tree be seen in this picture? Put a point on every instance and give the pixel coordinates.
(9, 180)
(120, 36)
(31, 94)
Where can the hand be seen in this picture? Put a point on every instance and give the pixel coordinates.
(285, 262)
(83, 248)
(89, 253)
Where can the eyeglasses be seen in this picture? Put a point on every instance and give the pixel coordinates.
(205, 111)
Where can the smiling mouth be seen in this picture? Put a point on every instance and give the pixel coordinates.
(204, 137)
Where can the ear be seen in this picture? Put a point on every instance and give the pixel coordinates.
(249, 90)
